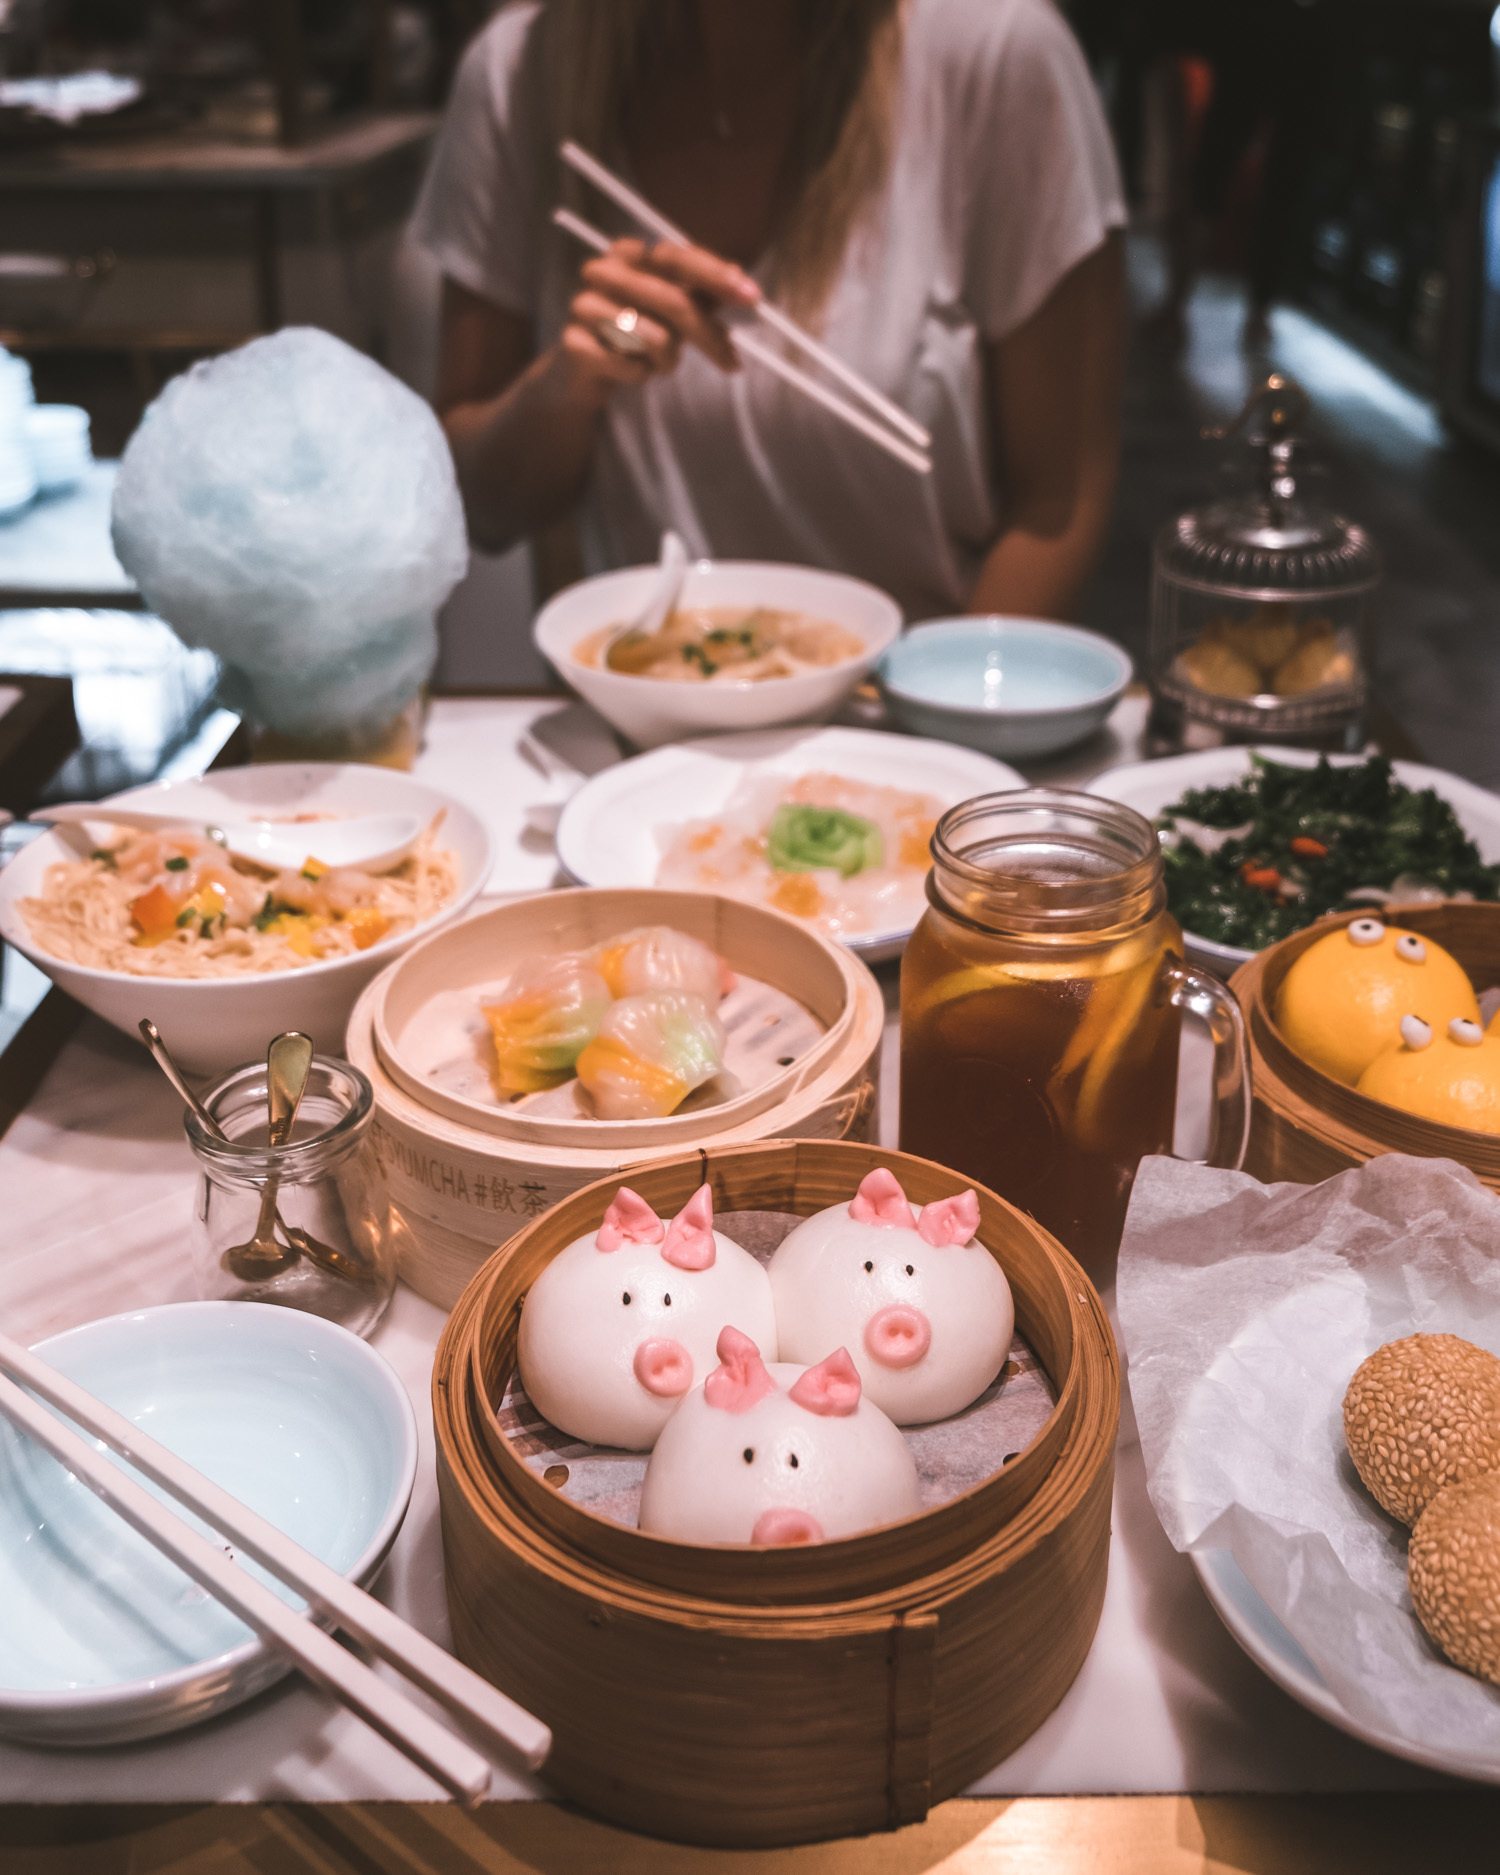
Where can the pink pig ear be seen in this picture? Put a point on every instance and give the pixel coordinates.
(741, 1379)
(832, 1387)
(880, 1200)
(690, 1235)
(629, 1219)
(950, 1220)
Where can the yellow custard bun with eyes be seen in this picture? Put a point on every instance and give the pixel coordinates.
(1341, 1003)
(1451, 1075)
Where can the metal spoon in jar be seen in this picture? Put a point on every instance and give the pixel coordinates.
(622, 652)
(288, 1060)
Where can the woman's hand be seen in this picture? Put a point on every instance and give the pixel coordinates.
(674, 292)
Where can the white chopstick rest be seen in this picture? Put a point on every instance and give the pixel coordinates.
(911, 442)
(516, 1733)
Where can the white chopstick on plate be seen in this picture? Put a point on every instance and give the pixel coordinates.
(910, 444)
(460, 1769)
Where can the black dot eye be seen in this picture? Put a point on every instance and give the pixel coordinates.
(749, 1455)
(793, 1461)
(868, 1268)
(666, 1302)
(626, 1298)
(910, 1271)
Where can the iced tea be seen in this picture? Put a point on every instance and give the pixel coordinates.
(1040, 1009)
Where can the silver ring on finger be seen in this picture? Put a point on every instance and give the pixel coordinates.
(622, 335)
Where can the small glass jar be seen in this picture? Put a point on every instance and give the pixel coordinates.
(1041, 1000)
(329, 1242)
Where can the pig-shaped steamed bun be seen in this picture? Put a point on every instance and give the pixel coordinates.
(924, 1309)
(620, 1324)
(776, 1455)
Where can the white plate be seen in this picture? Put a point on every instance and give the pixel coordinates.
(1279, 1657)
(1151, 787)
(102, 1639)
(608, 831)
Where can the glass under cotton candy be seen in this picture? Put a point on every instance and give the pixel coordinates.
(331, 1197)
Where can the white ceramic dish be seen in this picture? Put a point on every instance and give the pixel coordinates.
(608, 831)
(217, 1022)
(1012, 686)
(1151, 787)
(649, 710)
(1279, 1657)
(102, 1640)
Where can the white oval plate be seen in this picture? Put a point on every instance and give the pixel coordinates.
(1151, 787)
(102, 1639)
(608, 831)
(1279, 1657)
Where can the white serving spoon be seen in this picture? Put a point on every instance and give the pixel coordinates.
(672, 571)
(371, 842)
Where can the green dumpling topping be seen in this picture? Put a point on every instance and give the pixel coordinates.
(809, 839)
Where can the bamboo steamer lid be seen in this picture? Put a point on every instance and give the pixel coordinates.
(1305, 1126)
(726, 1695)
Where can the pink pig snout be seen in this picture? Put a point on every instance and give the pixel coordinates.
(785, 1527)
(898, 1336)
(664, 1367)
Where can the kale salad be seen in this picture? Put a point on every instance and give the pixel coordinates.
(1249, 863)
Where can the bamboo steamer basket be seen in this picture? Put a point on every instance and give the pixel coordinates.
(1305, 1126)
(460, 1189)
(734, 1696)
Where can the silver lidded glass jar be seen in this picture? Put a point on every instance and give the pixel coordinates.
(325, 1239)
(1259, 605)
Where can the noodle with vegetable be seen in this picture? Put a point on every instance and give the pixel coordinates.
(175, 904)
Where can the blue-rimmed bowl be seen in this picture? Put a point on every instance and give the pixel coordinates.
(102, 1639)
(1010, 686)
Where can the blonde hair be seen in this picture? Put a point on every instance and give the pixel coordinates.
(598, 54)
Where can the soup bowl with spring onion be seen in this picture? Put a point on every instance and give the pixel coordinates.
(650, 709)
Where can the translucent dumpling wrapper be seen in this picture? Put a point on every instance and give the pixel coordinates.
(550, 1011)
(649, 1055)
(292, 507)
(658, 958)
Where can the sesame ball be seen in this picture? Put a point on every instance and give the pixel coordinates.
(1453, 1570)
(1420, 1414)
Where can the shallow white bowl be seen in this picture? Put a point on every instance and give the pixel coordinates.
(1151, 787)
(1016, 687)
(651, 710)
(609, 833)
(102, 1640)
(216, 1023)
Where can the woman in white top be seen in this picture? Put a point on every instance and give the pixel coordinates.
(929, 184)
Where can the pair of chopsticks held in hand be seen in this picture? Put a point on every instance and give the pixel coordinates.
(867, 410)
(512, 1732)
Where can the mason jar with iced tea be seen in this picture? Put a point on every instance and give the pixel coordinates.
(1041, 1004)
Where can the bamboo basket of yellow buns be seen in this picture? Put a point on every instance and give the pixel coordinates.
(733, 1695)
(465, 1172)
(1305, 1125)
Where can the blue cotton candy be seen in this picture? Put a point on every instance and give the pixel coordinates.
(292, 507)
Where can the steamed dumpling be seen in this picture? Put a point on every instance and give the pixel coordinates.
(650, 1053)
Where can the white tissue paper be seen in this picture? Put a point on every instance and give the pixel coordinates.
(292, 507)
(1244, 1310)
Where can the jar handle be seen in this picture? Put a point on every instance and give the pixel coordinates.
(1214, 1003)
